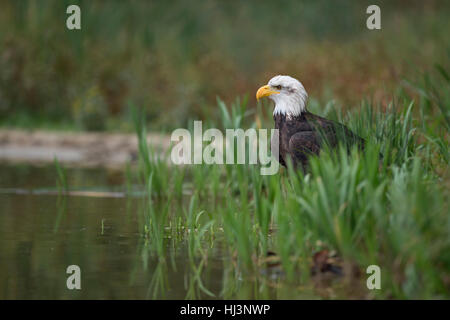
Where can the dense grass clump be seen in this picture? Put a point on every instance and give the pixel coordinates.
(391, 211)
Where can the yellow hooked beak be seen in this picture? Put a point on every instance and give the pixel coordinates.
(265, 91)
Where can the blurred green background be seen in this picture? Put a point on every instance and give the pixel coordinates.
(173, 58)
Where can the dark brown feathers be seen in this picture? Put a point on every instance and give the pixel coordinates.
(306, 134)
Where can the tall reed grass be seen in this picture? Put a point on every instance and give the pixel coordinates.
(391, 212)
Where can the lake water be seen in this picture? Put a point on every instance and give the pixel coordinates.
(42, 233)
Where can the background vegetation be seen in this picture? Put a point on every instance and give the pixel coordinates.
(174, 58)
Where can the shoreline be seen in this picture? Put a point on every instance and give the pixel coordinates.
(75, 149)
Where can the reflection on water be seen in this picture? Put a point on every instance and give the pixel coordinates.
(41, 235)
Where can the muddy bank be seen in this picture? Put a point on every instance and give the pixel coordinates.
(74, 149)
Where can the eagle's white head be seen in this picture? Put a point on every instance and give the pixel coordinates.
(289, 95)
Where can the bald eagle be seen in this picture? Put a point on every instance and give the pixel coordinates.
(301, 133)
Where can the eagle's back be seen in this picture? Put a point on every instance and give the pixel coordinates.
(304, 135)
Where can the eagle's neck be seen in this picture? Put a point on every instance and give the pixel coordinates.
(283, 121)
(290, 106)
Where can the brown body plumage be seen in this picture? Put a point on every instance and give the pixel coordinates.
(306, 134)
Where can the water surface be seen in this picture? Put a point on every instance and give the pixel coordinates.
(42, 233)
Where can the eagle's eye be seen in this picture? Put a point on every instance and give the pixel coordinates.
(278, 87)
